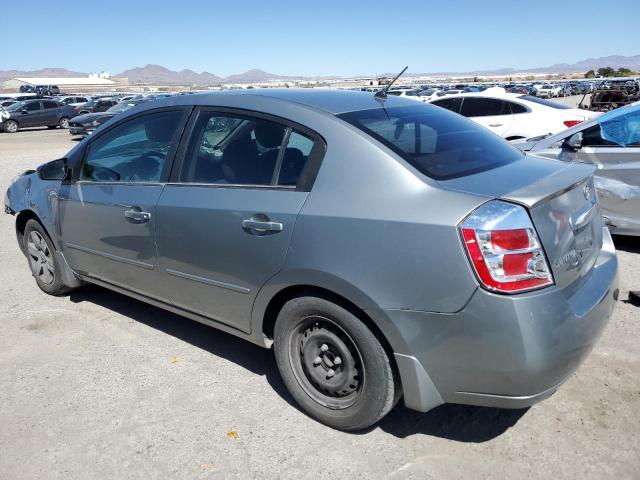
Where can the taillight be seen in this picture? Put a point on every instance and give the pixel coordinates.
(504, 248)
(571, 123)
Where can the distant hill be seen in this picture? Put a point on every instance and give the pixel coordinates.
(44, 72)
(162, 75)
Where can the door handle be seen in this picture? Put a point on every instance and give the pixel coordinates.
(495, 124)
(261, 226)
(137, 215)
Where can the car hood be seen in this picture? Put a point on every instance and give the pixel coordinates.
(90, 117)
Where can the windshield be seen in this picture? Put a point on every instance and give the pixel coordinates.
(542, 101)
(437, 142)
(121, 107)
(15, 106)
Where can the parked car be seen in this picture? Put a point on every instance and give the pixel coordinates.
(382, 247)
(72, 100)
(431, 93)
(514, 116)
(35, 113)
(612, 143)
(96, 105)
(548, 91)
(86, 124)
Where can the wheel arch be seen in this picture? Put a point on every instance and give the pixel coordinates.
(21, 222)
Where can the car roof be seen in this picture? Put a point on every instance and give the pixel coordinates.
(331, 101)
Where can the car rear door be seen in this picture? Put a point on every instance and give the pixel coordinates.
(491, 113)
(50, 112)
(224, 222)
(107, 211)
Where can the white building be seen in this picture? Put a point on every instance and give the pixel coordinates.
(68, 84)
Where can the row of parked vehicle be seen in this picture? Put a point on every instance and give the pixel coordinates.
(81, 114)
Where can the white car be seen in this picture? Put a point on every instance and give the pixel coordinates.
(548, 91)
(512, 115)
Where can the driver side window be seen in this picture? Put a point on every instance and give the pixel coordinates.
(134, 151)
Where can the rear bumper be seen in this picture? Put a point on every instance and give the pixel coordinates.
(504, 351)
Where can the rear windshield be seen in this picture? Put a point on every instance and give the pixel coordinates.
(542, 101)
(437, 142)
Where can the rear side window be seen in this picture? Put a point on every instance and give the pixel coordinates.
(436, 142)
(134, 151)
(516, 107)
(483, 107)
(237, 150)
(50, 105)
(452, 104)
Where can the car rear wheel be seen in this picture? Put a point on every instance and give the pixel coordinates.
(64, 122)
(44, 265)
(10, 126)
(333, 365)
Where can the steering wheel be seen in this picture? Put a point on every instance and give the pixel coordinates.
(146, 165)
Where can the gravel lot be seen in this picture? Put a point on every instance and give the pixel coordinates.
(88, 389)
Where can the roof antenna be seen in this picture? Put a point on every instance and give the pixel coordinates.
(382, 94)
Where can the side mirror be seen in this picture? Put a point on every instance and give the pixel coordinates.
(574, 142)
(24, 111)
(55, 170)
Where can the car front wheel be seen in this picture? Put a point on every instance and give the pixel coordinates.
(10, 126)
(333, 365)
(64, 122)
(44, 265)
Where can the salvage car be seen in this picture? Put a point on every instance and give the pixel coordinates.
(87, 123)
(611, 142)
(384, 248)
(514, 116)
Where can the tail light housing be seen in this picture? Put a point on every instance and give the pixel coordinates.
(571, 123)
(504, 249)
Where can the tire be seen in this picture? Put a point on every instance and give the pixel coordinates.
(333, 365)
(45, 268)
(10, 126)
(64, 122)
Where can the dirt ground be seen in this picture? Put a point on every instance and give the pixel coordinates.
(97, 385)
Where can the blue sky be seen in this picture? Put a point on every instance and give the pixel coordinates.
(313, 38)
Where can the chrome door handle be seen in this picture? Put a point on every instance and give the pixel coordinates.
(496, 125)
(137, 215)
(261, 226)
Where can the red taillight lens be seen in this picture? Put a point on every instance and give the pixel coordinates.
(571, 123)
(504, 248)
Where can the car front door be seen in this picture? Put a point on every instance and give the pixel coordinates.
(491, 113)
(31, 115)
(107, 211)
(225, 220)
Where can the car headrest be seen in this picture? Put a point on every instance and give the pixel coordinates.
(268, 134)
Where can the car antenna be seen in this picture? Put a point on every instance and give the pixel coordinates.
(382, 94)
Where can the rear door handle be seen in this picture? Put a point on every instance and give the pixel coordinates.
(137, 215)
(261, 226)
(496, 125)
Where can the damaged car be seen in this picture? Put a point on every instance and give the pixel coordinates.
(610, 142)
(384, 248)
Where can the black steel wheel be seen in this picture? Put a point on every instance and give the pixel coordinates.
(333, 365)
(326, 362)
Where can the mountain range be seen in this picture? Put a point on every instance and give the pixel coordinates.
(162, 75)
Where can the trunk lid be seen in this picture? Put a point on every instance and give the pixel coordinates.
(562, 203)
